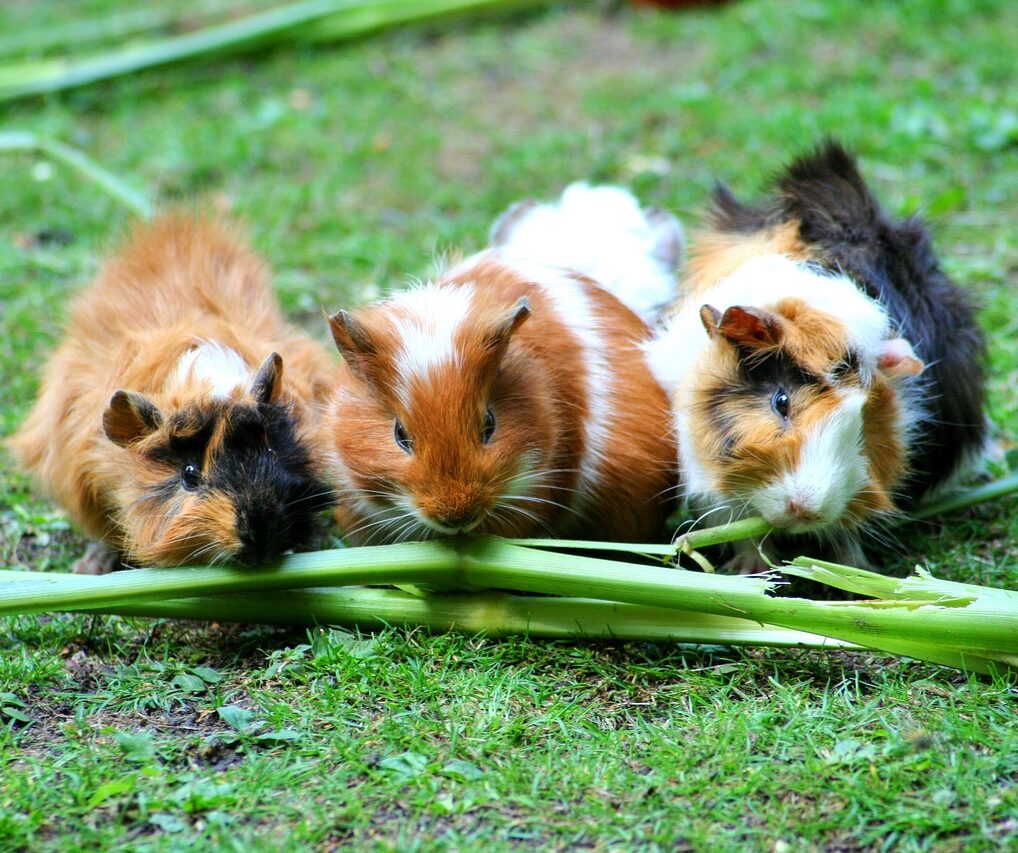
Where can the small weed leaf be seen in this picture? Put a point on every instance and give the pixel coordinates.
(280, 736)
(207, 674)
(202, 795)
(850, 752)
(237, 718)
(14, 715)
(110, 789)
(463, 770)
(11, 709)
(136, 747)
(167, 822)
(335, 643)
(406, 765)
(188, 683)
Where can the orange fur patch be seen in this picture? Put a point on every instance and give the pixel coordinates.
(715, 255)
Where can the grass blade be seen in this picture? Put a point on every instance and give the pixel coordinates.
(339, 19)
(14, 140)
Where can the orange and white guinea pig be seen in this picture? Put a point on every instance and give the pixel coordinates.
(165, 424)
(508, 397)
(824, 370)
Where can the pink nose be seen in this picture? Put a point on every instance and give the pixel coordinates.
(797, 510)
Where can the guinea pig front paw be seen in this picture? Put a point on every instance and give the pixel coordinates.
(98, 559)
(748, 560)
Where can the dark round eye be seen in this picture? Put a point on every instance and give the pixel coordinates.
(404, 442)
(190, 477)
(780, 402)
(489, 427)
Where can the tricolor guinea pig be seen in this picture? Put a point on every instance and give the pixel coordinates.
(824, 370)
(508, 397)
(165, 424)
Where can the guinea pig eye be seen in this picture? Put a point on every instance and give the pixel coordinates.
(403, 441)
(489, 427)
(190, 477)
(780, 402)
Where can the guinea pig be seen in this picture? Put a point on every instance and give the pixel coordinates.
(165, 426)
(508, 397)
(824, 371)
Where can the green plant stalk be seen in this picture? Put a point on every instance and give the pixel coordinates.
(346, 19)
(641, 549)
(23, 141)
(43, 592)
(733, 531)
(490, 563)
(493, 614)
(991, 491)
(975, 627)
(498, 614)
(921, 585)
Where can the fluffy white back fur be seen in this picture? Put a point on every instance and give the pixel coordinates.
(219, 366)
(602, 233)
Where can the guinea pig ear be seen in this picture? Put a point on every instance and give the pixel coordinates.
(268, 381)
(896, 359)
(750, 328)
(711, 319)
(129, 417)
(498, 339)
(353, 341)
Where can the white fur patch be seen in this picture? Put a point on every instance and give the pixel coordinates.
(601, 232)
(830, 472)
(576, 312)
(219, 366)
(426, 319)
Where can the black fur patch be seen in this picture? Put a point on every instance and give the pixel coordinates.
(258, 462)
(759, 378)
(894, 262)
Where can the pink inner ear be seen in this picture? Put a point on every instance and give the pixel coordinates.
(897, 358)
(750, 327)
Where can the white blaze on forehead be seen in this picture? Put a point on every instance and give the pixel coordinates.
(831, 470)
(220, 367)
(426, 320)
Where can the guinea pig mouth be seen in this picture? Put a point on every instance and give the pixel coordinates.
(461, 526)
(796, 519)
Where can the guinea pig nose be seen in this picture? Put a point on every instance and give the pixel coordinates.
(798, 511)
(461, 520)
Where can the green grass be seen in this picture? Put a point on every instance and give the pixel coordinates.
(357, 165)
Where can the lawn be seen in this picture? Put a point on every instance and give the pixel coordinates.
(358, 165)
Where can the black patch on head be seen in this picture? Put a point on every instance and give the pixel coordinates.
(894, 262)
(847, 369)
(258, 463)
(760, 375)
(771, 369)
